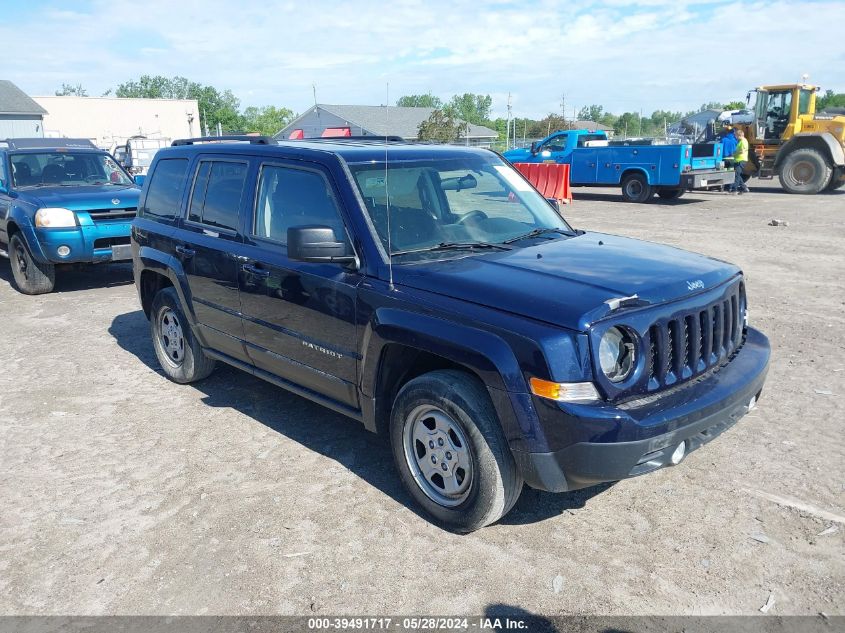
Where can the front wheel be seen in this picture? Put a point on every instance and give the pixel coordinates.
(179, 353)
(450, 451)
(31, 277)
(635, 188)
(805, 171)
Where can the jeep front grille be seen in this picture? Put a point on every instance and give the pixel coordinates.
(690, 344)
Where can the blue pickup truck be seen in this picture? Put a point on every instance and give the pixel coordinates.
(62, 201)
(640, 169)
(431, 293)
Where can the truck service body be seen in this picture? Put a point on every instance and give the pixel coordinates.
(641, 170)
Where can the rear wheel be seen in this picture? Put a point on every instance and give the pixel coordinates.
(635, 188)
(670, 194)
(179, 353)
(31, 277)
(450, 451)
(805, 171)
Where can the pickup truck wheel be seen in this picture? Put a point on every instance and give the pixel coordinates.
(31, 277)
(178, 352)
(805, 171)
(670, 194)
(635, 188)
(450, 451)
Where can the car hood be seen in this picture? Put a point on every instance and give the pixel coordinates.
(518, 155)
(569, 281)
(84, 198)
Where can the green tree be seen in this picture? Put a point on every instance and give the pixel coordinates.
(266, 120)
(711, 105)
(830, 99)
(735, 105)
(441, 127)
(470, 107)
(628, 124)
(427, 100)
(68, 90)
(591, 113)
(215, 106)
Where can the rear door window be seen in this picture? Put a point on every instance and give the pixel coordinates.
(289, 197)
(216, 196)
(165, 189)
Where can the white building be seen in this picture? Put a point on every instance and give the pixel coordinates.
(108, 121)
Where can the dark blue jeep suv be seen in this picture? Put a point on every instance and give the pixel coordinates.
(62, 201)
(433, 294)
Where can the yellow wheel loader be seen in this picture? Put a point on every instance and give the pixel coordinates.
(788, 138)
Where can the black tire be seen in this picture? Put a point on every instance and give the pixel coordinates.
(178, 352)
(635, 188)
(670, 194)
(835, 182)
(492, 485)
(805, 171)
(31, 277)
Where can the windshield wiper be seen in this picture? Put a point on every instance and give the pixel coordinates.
(535, 233)
(449, 246)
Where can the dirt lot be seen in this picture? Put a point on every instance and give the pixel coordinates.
(122, 492)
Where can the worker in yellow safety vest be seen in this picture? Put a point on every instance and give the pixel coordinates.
(740, 157)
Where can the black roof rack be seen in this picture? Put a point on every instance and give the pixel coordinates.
(48, 143)
(255, 140)
(340, 139)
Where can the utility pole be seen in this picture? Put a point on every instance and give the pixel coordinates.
(508, 123)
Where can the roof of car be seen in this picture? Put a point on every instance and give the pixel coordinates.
(41, 143)
(352, 151)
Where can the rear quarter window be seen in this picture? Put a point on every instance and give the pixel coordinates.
(164, 193)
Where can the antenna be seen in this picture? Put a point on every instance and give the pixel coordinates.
(386, 189)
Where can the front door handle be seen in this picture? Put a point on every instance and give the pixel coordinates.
(185, 252)
(252, 270)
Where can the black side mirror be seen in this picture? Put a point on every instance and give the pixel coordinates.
(318, 244)
(555, 203)
(534, 147)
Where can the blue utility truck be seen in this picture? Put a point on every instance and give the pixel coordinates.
(640, 169)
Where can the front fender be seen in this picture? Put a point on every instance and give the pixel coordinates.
(21, 217)
(484, 353)
(488, 355)
(824, 140)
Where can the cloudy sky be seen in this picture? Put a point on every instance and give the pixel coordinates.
(672, 54)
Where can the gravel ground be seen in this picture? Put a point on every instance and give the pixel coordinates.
(123, 493)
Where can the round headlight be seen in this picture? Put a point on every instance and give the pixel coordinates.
(617, 354)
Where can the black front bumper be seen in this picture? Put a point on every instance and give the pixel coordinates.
(589, 463)
(705, 179)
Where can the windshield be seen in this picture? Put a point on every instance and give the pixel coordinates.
(461, 199)
(66, 168)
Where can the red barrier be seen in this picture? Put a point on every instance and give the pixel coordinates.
(550, 179)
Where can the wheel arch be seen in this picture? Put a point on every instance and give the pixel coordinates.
(629, 171)
(399, 346)
(825, 143)
(150, 266)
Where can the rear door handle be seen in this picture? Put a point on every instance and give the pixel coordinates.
(185, 252)
(252, 270)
